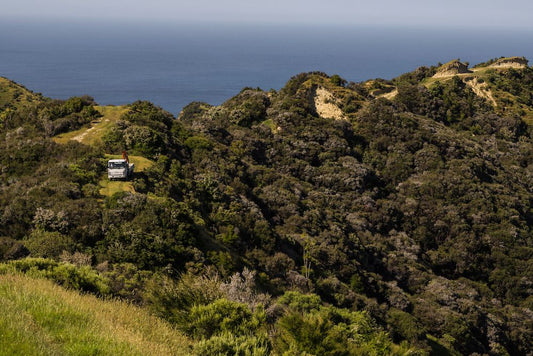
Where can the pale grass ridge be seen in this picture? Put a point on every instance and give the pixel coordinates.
(41, 318)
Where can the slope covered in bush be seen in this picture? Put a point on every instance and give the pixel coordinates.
(414, 208)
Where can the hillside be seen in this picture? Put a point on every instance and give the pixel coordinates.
(383, 217)
(41, 318)
(14, 96)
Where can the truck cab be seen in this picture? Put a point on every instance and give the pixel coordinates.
(119, 168)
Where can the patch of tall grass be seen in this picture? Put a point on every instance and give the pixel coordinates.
(41, 318)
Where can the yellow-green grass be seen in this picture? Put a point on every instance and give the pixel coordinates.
(476, 72)
(93, 135)
(108, 188)
(41, 318)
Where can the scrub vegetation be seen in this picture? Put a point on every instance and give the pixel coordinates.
(257, 227)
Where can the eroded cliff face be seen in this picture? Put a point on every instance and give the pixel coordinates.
(452, 68)
(325, 104)
(510, 62)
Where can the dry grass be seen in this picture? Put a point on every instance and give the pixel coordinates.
(41, 318)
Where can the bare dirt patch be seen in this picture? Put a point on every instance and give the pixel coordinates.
(325, 106)
(481, 89)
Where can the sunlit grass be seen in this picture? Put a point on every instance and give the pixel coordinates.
(41, 318)
(92, 135)
(108, 188)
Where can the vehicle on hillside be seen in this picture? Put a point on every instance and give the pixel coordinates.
(120, 168)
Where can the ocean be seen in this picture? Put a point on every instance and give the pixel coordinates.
(175, 64)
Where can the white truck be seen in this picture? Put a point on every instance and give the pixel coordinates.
(120, 168)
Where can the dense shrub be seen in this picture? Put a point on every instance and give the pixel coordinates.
(79, 278)
(320, 330)
(173, 299)
(229, 344)
(222, 315)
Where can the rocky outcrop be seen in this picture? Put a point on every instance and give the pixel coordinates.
(510, 62)
(452, 68)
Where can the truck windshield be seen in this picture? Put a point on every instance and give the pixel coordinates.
(115, 165)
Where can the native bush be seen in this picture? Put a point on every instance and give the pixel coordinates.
(229, 344)
(222, 315)
(82, 278)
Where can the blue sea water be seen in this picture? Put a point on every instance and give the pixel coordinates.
(175, 64)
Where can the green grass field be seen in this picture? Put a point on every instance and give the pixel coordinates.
(41, 318)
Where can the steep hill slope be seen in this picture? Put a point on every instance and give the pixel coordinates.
(40, 318)
(13, 95)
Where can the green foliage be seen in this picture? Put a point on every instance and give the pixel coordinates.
(405, 326)
(229, 344)
(329, 331)
(144, 129)
(143, 141)
(62, 116)
(173, 300)
(42, 243)
(78, 278)
(220, 316)
(148, 232)
(144, 113)
(416, 76)
(11, 249)
(248, 107)
(415, 209)
(198, 143)
(126, 281)
(337, 80)
(303, 303)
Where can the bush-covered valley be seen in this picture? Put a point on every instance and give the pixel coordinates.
(399, 223)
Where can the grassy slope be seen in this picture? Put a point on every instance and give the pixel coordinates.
(41, 318)
(92, 135)
(15, 95)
